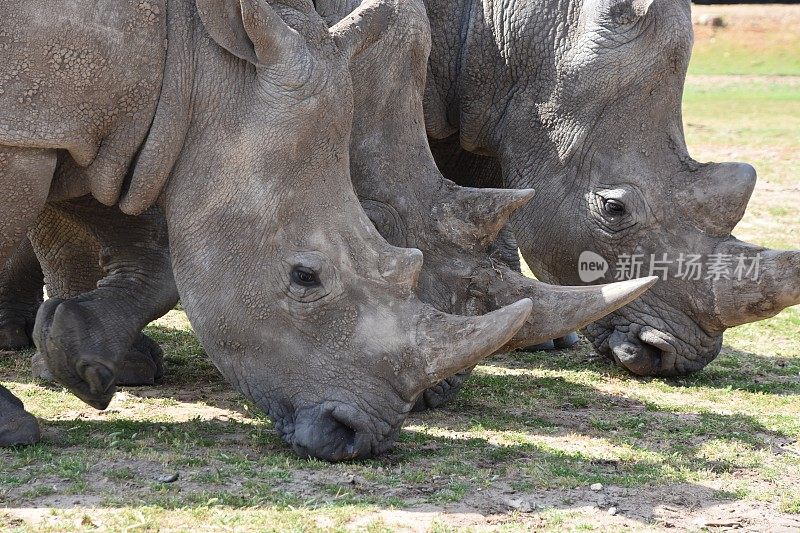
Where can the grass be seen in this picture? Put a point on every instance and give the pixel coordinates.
(746, 45)
(518, 450)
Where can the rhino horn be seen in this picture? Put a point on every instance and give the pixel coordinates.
(475, 216)
(562, 309)
(253, 31)
(768, 282)
(459, 342)
(721, 194)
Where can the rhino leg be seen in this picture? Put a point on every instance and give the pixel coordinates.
(17, 427)
(69, 254)
(90, 340)
(25, 177)
(20, 296)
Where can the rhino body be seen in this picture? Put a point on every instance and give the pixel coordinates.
(198, 122)
(581, 100)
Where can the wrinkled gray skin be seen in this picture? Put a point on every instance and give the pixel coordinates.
(292, 292)
(453, 226)
(411, 204)
(581, 100)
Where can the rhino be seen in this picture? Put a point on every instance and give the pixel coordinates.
(413, 205)
(581, 100)
(207, 113)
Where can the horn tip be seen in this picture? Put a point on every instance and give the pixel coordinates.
(629, 289)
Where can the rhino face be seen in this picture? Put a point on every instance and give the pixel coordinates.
(614, 178)
(296, 297)
(581, 100)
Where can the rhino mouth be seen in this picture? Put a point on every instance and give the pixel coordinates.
(334, 431)
(648, 346)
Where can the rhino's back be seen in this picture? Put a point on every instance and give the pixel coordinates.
(80, 75)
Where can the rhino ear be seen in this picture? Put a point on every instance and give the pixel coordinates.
(364, 26)
(250, 30)
(628, 11)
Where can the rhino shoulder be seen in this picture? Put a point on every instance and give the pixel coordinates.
(82, 76)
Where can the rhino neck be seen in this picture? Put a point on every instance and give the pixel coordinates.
(497, 57)
(166, 137)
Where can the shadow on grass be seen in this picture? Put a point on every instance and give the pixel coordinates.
(115, 464)
(441, 459)
(733, 369)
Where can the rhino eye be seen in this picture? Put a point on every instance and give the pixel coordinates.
(614, 208)
(304, 276)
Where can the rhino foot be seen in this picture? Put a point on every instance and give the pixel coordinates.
(442, 392)
(77, 352)
(15, 335)
(17, 427)
(143, 365)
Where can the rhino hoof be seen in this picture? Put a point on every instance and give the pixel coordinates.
(143, 364)
(17, 427)
(66, 341)
(561, 343)
(442, 392)
(567, 341)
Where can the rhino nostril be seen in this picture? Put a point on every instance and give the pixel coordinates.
(346, 434)
(329, 433)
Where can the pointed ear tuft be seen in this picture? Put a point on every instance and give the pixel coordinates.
(628, 11)
(223, 22)
(250, 30)
(364, 26)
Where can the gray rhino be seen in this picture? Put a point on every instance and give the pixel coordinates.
(581, 99)
(212, 109)
(412, 205)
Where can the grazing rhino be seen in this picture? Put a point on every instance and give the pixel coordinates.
(212, 109)
(412, 205)
(581, 99)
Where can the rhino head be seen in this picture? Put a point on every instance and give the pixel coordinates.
(298, 300)
(582, 99)
(413, 205)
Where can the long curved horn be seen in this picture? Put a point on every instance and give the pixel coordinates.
(560, 309)
(762, 282)
(453, 343)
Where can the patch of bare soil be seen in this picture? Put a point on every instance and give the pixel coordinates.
(679, 506)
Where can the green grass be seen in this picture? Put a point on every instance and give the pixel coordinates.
(770, 54)
(536, 428)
